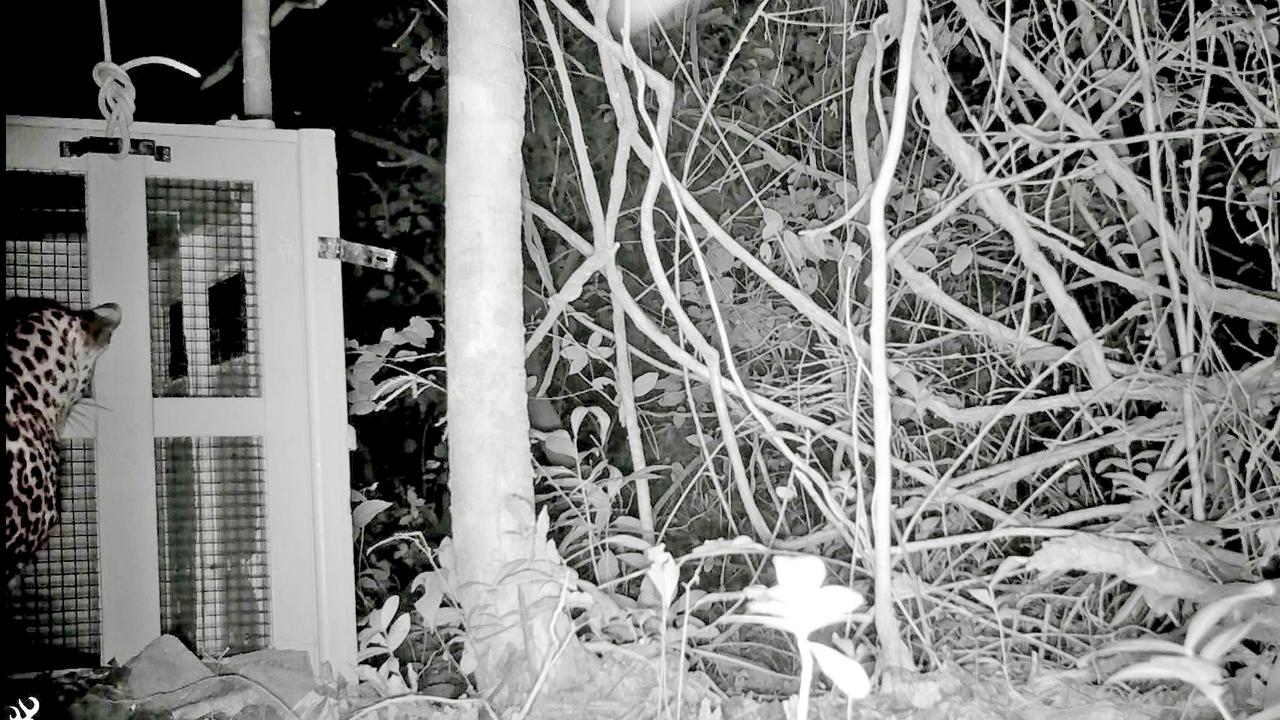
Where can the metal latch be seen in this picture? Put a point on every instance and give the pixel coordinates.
(98, 145)
(332, 248)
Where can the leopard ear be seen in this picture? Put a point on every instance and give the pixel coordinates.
(102, 321)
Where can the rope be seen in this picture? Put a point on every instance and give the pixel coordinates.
(116, 94)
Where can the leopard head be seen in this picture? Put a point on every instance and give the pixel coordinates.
(52, 352)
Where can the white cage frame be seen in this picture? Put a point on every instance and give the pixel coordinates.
(300, 413)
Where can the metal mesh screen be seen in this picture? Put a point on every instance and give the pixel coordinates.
(44, 236)
(54, 605)
(56, 600)
(203, 288)
(214, 582)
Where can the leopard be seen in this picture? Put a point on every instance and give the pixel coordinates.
(52, 353)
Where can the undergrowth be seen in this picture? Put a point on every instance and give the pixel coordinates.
(1082, 340)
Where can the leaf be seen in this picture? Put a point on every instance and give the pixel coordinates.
(388, 612)
(720, 546)
(719, 261)
(629, 524)
(1205, 217)
(1219, 645)
(449, 616)
(629, 542)
(663, 572)
(632, 561)
(428, 606)
(922, 258)
(606, 566)
(1200, 674)
(982, 595)
(1208, 616)
(800, 572)
(1142, 645)
(816, 245)
(559, 443)
(411, 674)
(370, 652)
(772, 223)
(366, 511)
(645, 384)
(846, 190)
(445, 559)
(961, 260)
(398, 632)
(1271, 696)
(847, 673)
(577, 357)
(1255, 331)
(799, 603)
(363, 407)
(602, 419)
(854, 252)
(671, 398)
(808, 280)
(395, 685)
(723, 289)
(467, 663)
(792, 245)
(1105, 185)
(389, 667)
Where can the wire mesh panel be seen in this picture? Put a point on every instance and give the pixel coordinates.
(44, 236)
(55, 605)
(211, 501)
(203, 288)
(55, 602)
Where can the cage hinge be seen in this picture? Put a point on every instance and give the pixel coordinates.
(98, 145)
(332, 248)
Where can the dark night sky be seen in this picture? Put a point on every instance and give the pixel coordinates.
(322, 60)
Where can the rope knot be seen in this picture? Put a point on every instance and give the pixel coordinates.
(116, 100)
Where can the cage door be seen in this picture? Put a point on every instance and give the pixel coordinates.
(222, 490)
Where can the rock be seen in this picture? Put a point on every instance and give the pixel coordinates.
(163, 666)
(286, 673)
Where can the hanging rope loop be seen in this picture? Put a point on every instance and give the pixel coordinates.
(117, 98)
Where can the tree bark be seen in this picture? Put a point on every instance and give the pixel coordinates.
(255, 31)
(507, 587)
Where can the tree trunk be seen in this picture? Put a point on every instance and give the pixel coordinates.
(507, 588)
(255, 44)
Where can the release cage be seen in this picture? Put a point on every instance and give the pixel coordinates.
(205, 484)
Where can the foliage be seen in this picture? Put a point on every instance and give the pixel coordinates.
(381, 633)
(1198, 659)
(800, 604)
(393, 370)
(1082, 335)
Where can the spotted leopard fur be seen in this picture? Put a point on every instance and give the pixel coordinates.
(52, 350)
